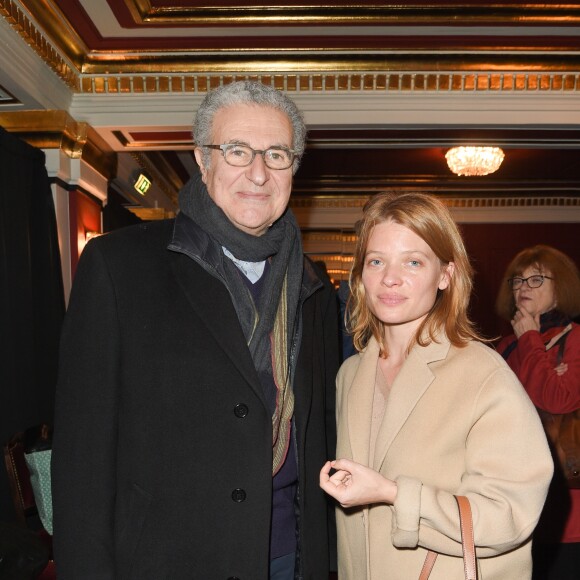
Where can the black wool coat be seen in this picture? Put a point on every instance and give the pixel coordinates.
(162, 452)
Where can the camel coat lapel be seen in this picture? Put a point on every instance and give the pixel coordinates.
(411, 383)
(409, 386)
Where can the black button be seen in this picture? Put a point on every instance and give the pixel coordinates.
(241, 410)
(233, 578)
(238, 495)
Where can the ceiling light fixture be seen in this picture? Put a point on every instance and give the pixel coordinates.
(474, 160)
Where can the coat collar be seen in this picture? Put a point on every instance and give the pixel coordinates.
(189, 242)
(409, 386)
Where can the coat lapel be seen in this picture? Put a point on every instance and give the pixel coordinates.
(213, 305)
(360, 404)
(409, 386)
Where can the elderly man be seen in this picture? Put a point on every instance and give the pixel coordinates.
(195, 402)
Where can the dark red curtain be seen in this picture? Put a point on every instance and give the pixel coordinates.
(31, 295)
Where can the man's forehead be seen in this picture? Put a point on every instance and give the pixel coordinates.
(252, 119)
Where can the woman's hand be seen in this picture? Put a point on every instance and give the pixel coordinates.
(354, 484)
(524, 321)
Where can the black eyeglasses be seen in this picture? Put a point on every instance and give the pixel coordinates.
(243, 155)
(534, 281)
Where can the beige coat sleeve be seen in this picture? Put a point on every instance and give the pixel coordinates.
(507, 470)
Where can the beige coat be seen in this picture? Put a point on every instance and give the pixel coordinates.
(457, 421)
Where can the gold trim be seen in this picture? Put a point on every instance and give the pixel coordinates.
(459, 201)
(58, 130)
(332, 236)
(275, 61)
(150, 213)
(311, 70)
(496, 82)
(440, 14)
(53, 22)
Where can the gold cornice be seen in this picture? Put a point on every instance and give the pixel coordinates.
(58, 130)
(307, 70)
(459, 201)
(319, 60)
(439, 13)
(54, 24)
(444, 82)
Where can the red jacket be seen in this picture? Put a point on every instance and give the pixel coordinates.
(534, 367)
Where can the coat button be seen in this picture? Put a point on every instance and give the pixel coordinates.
(238, 495)
(241, 410)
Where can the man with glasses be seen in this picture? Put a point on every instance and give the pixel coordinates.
(196, 395)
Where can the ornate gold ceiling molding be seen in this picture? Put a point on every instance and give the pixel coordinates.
(58, 130)
(315, 82)
(319, 60)
(53, 24)
(456, 202)
(318, 70)
(439, 13)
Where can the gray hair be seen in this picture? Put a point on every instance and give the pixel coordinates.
(247, 93)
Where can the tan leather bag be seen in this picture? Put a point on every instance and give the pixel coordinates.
(467, 543)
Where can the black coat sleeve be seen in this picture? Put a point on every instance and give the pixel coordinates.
(84, 446)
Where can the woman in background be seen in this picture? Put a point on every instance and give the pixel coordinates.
(426, 411)
(540, 295)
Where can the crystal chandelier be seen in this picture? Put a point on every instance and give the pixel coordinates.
(474, 160)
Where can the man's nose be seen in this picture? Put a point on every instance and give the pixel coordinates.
(257, 171)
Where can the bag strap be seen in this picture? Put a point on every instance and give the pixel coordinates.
(467, 543)
(467, 538)
(559, 339)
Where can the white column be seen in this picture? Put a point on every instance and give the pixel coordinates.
(76, 174)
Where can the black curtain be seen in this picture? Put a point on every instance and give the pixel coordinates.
(31, 295)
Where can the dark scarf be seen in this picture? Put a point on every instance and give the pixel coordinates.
(553, 318)
(269, 325)
(550, 319)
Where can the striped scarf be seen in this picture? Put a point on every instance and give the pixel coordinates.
(269, 325)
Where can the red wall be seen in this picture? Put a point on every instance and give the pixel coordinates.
(492, 246)
(85, 216)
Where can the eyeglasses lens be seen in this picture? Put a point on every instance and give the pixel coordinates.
(532, 282)
(241, 156)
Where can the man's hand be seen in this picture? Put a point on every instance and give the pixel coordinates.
(353, 484)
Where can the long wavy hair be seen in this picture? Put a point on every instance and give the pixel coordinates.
(429, 218)
(550, 261)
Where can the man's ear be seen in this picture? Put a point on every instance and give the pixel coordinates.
(199, 158)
